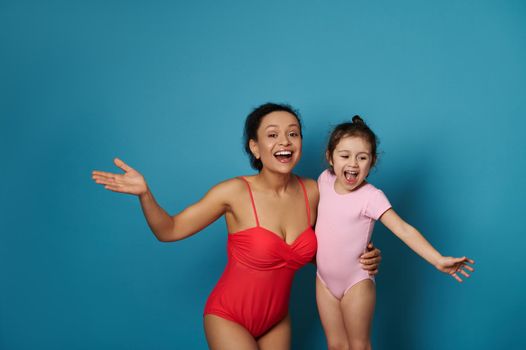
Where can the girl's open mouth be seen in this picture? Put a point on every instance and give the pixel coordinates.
(351, 175)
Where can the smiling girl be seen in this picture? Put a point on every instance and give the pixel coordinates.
(347, 211)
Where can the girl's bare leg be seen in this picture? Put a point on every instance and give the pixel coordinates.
(357, 307)
(278, 337)
(331, 318)
(222, 334)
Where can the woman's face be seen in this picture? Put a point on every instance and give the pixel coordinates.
(279, 142)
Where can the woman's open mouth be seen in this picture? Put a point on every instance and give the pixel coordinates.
(283, 156)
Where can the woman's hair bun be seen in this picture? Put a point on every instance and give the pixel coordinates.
(357, 120)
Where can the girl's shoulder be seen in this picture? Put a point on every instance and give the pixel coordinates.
(325, 176)
(370, 189)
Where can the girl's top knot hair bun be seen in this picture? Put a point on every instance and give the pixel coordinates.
(357, 120)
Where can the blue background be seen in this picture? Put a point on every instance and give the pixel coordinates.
(166, 86)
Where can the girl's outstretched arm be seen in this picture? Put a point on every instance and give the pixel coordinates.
(414, 239)
(165, 227)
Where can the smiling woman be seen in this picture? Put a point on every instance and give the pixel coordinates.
(253, 123)
(269, 217)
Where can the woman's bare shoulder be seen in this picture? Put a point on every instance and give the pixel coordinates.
(229, 186)
(312, 186)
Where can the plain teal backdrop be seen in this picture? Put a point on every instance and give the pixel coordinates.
(166, 85)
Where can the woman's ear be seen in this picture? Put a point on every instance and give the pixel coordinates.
(253, 145)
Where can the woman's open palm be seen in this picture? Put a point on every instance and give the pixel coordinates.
(131, 182)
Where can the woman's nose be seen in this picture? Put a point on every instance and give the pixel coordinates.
(284, 140)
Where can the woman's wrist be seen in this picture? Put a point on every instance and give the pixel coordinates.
(146, 195)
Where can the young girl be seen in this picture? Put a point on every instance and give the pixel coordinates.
(347, 211)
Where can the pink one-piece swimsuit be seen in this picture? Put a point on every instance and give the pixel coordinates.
(343, 230)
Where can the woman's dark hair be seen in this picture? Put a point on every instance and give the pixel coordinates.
(355, 128)
(253, 122)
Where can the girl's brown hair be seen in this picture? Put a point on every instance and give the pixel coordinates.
(355, 128)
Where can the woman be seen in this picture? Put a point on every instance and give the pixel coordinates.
(269, 218)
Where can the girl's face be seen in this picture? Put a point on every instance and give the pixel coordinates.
(279, 142)
(351, 161)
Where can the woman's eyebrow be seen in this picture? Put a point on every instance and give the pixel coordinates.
(277, 126)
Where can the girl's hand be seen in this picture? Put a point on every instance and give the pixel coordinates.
(131, 182)
(370, 260)
(452, 266)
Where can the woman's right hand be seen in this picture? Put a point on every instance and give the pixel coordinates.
(131, 182)
(371, 259)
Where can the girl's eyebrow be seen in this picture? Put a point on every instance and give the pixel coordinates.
(346, 151)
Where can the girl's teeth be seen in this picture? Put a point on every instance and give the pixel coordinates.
(350, 174)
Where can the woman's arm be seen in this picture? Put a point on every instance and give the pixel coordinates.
(414, 239)
(165, 227)
(189, 221)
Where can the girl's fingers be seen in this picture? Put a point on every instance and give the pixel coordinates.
(456, 277)
(467, 267)
(464, 273)
(466, 260)
(459, 260)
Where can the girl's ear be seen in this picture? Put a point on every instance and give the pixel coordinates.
(373, 162)
(328, 157)
(253, 145)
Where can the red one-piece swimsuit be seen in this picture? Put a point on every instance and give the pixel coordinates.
(255, 287)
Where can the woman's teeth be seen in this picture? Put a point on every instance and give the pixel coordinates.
(283, 156)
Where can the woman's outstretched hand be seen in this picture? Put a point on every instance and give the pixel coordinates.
(454, 266)
(131, 182)
(370, 260)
